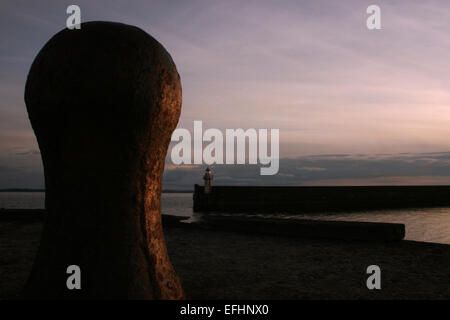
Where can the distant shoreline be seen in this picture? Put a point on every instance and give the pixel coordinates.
(43, 190)
(21, 190)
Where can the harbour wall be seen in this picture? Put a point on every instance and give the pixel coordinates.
(308, 199)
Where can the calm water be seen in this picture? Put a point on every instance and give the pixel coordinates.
(428, 224)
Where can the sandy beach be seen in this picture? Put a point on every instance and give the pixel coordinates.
(227, 265)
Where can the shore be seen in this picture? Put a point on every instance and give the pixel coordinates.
(229, 265)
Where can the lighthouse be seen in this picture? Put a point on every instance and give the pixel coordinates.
(208, 180)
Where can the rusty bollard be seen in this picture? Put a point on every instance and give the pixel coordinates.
(103, 102)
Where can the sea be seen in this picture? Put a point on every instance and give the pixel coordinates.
(422, 224)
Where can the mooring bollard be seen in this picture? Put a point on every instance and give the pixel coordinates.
(103, 102)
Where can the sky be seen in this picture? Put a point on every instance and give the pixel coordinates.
(353, 106)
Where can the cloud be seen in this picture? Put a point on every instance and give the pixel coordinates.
(311, 169)
(180, 167)
(358, 169)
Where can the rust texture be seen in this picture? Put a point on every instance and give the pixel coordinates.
(103, 102)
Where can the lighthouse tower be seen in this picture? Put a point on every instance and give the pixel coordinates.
(208, 180)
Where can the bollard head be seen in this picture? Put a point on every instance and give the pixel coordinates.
(92, 92)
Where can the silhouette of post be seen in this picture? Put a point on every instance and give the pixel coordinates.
(103, 102)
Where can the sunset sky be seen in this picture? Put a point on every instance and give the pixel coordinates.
(374, 102)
